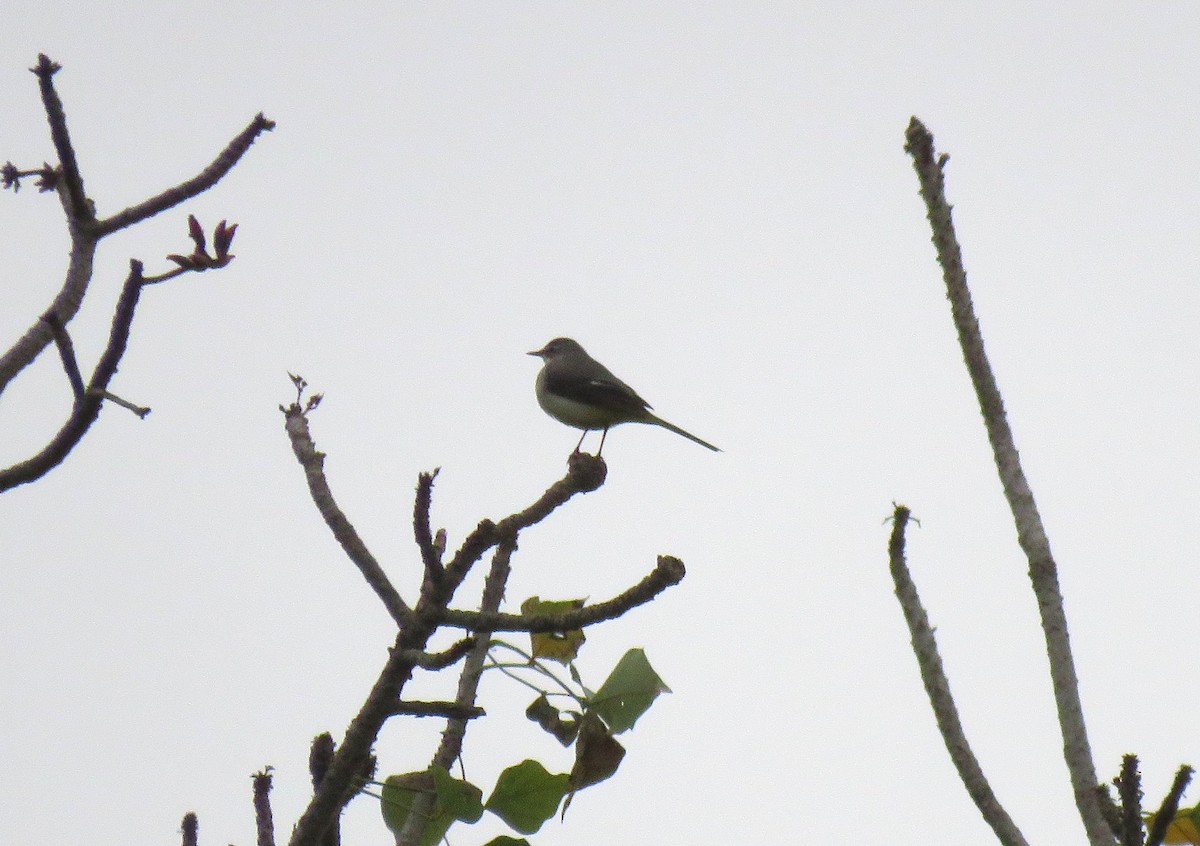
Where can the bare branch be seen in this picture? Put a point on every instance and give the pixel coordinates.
(320, 753)
(438, 709)
(1170, 804)
(1129, 787)
(668, 572)
(87, 409)
(313, 463)
(140, 410)
(85, 232)
(346, 767)
(585, 473)
(422, 531)
(441, 660)
(198, 184)
(66, 352)
(320, 756)
(190, 827)
(468, 686)
(937, 687)
(64, 308)
(79, 208)
(1031, 534)
(263, 820)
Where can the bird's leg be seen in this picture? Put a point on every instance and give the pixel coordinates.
(580, 444)
(603, 435)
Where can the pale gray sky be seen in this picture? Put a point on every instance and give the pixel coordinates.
(714, 200)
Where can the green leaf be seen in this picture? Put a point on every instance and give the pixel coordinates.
(455, 800)
(526, 795)
(628, 692)
(505, 840)
(460, 799)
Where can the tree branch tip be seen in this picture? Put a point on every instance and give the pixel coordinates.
(918, 140)
(46, 67)
(263, 123)
(671, 568)
(586, 472)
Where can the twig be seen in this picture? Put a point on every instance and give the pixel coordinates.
(1031, 534)
(313, 463)
(668, 572)
(1165, 814)
(66, 352)
(263, 821)
(139, 410)
(937, 687)
(198, 184)
(585, 473)
(438, 709)
(190, 828)
(441, 660)
(79, 207)
(85, 411)
(422, 531)
(1129, 788)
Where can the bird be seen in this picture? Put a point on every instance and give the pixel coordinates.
(575, 389)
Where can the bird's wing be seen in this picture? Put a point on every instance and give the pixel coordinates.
(605, 391)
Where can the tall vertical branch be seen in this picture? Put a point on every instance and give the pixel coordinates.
(1031, 535)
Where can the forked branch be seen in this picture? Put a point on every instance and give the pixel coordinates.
(86, 230)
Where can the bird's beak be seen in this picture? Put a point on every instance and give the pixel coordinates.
(538, 353)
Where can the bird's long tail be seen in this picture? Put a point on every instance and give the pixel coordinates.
(660, 422)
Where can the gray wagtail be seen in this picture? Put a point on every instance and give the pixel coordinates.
(579, 391)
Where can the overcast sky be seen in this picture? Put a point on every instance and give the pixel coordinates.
(714, 200)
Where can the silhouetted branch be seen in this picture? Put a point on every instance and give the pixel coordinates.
(198, 184)
(346, 765)
(313, 463)
(585, 473)
(66, 352)
(87, 408)
(422, 530)
(1170, 804)
(937, 687)
(79, 208)
(450, 746)
(1031, 534)
(190, 828)
(438, 709)
(441, 660)
(264, 823)
(1129, 828)
(668, 572)
(85, 232)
